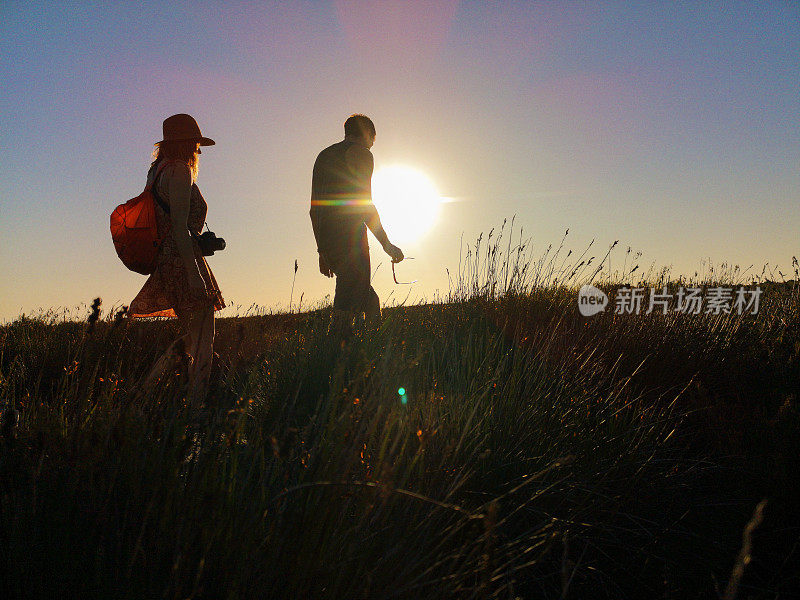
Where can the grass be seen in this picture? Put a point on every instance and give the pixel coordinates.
(538, 453)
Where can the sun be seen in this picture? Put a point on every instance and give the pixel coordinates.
(407, 201)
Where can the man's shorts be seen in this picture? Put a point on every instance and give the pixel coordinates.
(353, 289)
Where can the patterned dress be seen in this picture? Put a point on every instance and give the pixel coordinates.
(166, 293)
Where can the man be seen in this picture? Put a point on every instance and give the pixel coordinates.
(341, 211)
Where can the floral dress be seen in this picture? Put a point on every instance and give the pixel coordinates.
(167, 293)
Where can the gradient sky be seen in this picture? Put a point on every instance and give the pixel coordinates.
(673, 127)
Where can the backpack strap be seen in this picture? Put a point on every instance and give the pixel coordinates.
(159, 200)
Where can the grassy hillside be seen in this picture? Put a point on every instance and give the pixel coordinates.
(535, 453)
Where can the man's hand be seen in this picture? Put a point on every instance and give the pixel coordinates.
(394, 252)
(324, 267)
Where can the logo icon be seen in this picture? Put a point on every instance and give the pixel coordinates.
(591, 300)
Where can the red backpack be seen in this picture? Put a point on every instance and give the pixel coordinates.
(135, 232)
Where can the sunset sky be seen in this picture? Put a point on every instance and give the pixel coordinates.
(672, 127)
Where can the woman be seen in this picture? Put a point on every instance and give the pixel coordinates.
(182, 284)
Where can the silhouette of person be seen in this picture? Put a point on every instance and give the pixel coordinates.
(182, 284)
(341, 211)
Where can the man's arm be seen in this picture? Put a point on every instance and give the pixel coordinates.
(314, 212)
(324, 267)
(362, 164)
(316, 215)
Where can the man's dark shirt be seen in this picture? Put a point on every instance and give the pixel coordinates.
(341, 202)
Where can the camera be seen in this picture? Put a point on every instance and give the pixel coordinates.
(210, 243)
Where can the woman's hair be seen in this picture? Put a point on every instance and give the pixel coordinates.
(183, 150)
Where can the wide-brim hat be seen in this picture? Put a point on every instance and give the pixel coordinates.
(183, 128)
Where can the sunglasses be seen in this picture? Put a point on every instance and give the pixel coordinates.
(394, 276)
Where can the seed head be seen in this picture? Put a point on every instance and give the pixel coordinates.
(95, 314)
